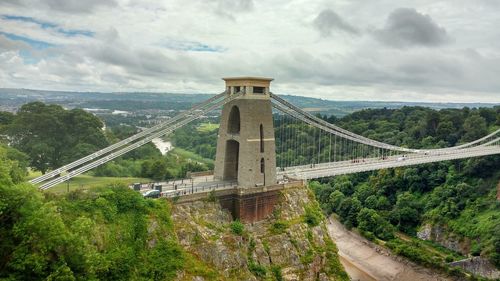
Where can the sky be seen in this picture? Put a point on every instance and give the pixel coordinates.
(425, 50)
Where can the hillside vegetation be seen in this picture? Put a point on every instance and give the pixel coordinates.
(107, 233)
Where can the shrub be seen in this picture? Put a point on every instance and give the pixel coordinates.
(237, 227)
(278, 227)
(312, 215)
(257, 269)
(276, 270)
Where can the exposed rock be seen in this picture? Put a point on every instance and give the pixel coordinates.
(478, 266)
(299, 251)
(439, 234)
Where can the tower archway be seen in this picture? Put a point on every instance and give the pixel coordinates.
(231, 160)
(234, 123)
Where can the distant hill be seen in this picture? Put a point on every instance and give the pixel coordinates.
(12, 99)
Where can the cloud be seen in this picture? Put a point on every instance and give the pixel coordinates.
(232, 8)
(405, 27)
(186, 46)
(328, 21)
(8, 45)
(66, 6)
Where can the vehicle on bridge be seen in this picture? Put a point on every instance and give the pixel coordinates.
(151, 194)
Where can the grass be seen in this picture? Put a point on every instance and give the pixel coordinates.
(207, 127)
(190, 155)
(87, 181)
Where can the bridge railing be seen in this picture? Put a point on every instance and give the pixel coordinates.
(187, 190)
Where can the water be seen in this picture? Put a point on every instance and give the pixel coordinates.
(163, 146)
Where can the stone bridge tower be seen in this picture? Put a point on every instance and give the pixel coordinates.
(246, 145)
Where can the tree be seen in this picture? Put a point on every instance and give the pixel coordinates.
(6, 118)
(474, 127)
(52, 136)
(348, 211)
(335, 200)
(370, 220)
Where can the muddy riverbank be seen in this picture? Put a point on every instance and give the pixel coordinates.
(366, 261)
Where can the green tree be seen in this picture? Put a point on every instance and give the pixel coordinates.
(369, 220)
(474, 127)
(348, 211)
(52, 136)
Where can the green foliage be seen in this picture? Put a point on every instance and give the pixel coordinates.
(348, 211)
(257, 269)
(312, 215)
(101, 234)
(237, 227)
(369, 220)
(276, 271)
(278, 227)
(170, 166)
(201, 140)
(53, 136)
(307, 257)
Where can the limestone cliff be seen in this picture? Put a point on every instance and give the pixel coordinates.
(289, 245)
(441, 235)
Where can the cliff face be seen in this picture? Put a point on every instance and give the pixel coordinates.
(441, 235)
(282, 247)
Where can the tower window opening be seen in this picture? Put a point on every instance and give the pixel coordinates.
(261, 138)
(259, 90)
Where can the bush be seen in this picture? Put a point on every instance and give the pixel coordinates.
(278, 227)
(257, 269)
(312, 215)
(237, 227)
(276, 270)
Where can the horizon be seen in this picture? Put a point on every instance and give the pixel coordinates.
(281, 94)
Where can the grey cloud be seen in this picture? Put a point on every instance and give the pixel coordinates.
(236, 5)
(328, 21)
(406, 27)
(67, 6)
(231, 8)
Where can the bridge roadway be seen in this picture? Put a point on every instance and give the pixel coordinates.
(313, 171)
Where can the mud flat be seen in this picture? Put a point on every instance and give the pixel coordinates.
(365, 261)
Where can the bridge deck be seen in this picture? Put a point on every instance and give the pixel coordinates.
(363, 165)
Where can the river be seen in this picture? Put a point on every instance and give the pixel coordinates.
(163, 146)
(365, 261)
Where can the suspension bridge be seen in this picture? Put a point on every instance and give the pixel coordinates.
(265, 140)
